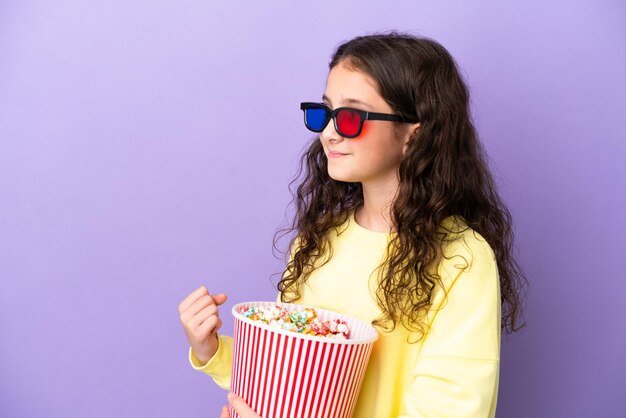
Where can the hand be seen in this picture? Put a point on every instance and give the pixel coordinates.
(240, 406)
(200, 319)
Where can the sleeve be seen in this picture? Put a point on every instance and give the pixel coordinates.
(456, 372)
(219, 367)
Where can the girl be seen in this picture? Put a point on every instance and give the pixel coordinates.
(398, 223)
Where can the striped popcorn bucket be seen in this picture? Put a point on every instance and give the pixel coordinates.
(284, 374)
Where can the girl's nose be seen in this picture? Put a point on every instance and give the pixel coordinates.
(330, 133)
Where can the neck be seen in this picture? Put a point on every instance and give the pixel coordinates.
(375, 214)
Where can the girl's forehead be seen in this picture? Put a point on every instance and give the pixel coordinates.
(347, 85)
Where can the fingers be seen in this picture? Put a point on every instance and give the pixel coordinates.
(200, 319)
(212, 324)
(193, 296)
(241, 406)
(208, 311)
(198, 300)
(225, 413)
(204, 302)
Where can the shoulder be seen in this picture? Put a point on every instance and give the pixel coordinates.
(461, 240)
(468, 273)
(464, 250)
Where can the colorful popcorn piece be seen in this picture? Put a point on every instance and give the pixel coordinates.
(304, 321)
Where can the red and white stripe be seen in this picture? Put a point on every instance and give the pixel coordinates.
(283, 374)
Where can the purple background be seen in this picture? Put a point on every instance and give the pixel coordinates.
(146, 148)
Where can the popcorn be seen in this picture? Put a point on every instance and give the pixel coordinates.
(303, 321)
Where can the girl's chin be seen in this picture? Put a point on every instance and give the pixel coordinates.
(344, 177)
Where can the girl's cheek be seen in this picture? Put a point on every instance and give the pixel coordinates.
(364, 130)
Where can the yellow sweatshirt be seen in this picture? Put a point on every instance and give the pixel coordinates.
(452, 371)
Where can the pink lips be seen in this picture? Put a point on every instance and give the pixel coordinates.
(335, 154)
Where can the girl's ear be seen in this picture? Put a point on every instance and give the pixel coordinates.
(411, 134)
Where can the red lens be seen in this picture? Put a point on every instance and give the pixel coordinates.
(348, 122)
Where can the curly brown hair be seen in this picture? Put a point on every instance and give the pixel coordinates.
(443, 173)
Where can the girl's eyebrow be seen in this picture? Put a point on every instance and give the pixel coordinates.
(347, 101)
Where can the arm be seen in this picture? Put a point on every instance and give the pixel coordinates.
(208, 352)
(219, 367)
(456, 373)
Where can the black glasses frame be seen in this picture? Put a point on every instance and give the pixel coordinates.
(332, 114)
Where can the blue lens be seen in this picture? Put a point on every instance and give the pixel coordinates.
(316, 118)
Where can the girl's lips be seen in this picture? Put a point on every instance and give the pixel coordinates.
(335, 154)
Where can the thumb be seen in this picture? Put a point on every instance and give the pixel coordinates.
(225, 413)
(242, 408)
(219, 298)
